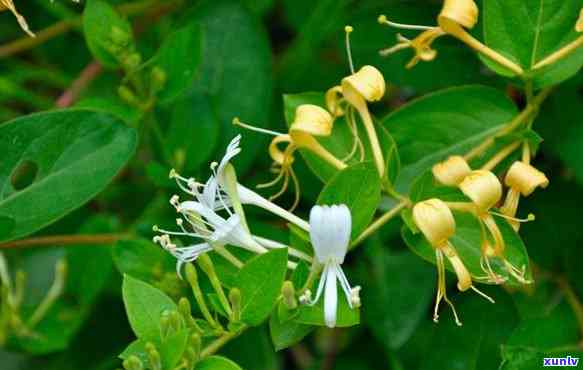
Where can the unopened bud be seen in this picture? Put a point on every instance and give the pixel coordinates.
(289, 295)
(120, 37)
(128, 96)
(132, 61)
(235, 299)
(483, 188)
(153, 357)
(133, 363)
(158, 78)
(525, 178)
(435, 220)
(451, 171)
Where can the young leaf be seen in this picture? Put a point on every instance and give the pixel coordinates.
(260, 282)
(144, 306)
(359, 187)
(215, 363)
(528, 31)
(103, 26)
(444, 123)
(179, 57)
(55, 162)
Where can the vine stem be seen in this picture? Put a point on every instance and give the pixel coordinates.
(516, 122)
(64, 26)
(214, 346)
(380, 222)
(64, 240)
(88, 74)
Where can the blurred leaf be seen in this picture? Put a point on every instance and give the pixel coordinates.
(66, 158)
(6, 226)
(99, 22)
(235, 75)
(260, 282)
(398, 291)
(216, 363)
(528, 31)
(145, 305)
(444, 123)
(110, 103)
(179, 56)
(467, 242)
(359, 188)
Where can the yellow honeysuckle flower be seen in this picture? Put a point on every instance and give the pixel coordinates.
(9, 5)
(485, 191)
(452, 171)
(436, 222)
(522, 179)
(454, 18)
(310, 121)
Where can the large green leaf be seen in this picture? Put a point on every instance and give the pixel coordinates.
(359, 187)
(235, 74)
(444, 123)
(99, 22)
(341, 141)
(54, 162)
(467, 242)
(528, 30)
(260, 282)
(216, 363)
(145, 306)
(286, 333)
(179, 57)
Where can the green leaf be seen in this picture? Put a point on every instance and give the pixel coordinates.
(142, 260)
(288, 333)
(179, 56)
(252, 350)
(429, 129)
(359, 187)
(144, 306)
(55, 162)
(99, 22)
(467, 242)
(6, 226)
(314, 315)
(235, 73)
(528, 31)
(340, 143)
(216, 363)
(399, 290)
(260, 282)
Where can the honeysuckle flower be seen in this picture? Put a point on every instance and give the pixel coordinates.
(9, 5)
(485, 191)
(455, 17)
(310, 121)
(452, 171)
(521, 179)
(330, 228)
(437, 224)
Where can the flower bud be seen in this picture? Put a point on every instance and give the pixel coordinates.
(464, 12)
(289, 295)
(525, 178)
(368, 82)
(154, 359)
(133, 363)
(158, 79)
(333, 98)
(579, 24)
(235, 299)
(121, 38)
(451, 171)
(313, 120)
(483, 188)
(435, 220)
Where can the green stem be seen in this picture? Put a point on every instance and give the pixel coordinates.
(214, 346)
(380, 222)
(65, 240)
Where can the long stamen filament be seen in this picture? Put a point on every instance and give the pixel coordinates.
(530, 217)
(348, 30)
(488, 298)
(237, 122)
(382, 19)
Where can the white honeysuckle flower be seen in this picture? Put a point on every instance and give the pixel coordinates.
(330, 228)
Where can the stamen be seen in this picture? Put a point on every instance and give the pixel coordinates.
(348, 30)
(382, 19)
(530, 217)
(237, 122)
(482, 294)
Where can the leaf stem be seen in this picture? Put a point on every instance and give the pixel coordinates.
(214, 346)
(560, 54)
(532, 107)
(65, 240)
(380, 222)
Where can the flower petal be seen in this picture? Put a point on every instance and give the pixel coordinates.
(330, 228)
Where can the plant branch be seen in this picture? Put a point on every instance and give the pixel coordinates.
(88, 74)
(64, 240)
(214, 346)
(380, 222)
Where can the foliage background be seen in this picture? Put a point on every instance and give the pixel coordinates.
(252, 53)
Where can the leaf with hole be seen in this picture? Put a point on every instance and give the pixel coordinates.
(67, 157)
